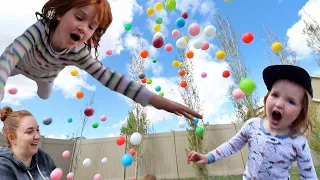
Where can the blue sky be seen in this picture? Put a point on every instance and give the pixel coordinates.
(282, 16)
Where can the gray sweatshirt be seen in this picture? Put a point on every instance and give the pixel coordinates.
(11, 168)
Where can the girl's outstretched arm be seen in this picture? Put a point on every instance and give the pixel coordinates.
(305, 163)
(233, 145)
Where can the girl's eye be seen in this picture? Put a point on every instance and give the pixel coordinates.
(274, 95)
(291, 102)
(78, 18)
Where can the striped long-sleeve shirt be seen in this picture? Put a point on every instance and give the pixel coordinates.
(270, 157)
(32, 55)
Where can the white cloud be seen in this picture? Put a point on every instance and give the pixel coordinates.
(296, 38)
(56, 137)
(316, 72)
(112, 135)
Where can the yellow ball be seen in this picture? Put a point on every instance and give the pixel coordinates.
(158, 6)
(150, 11)
(157, 27)
(186, 38)
(175, 63)
(74, 72)
(180, 64)
(220, 55)
(277, 46)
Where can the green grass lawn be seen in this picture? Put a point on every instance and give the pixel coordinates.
(294, 174)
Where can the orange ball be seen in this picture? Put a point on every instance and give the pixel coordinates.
(182, 72)
(144, 53)
(80, 94)
(183, 84)
(189, 54)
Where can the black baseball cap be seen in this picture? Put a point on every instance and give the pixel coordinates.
(296, 74)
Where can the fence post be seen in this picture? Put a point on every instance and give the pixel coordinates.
(175, 152)
(244, 166)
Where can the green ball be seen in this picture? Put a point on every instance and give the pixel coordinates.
(159, 20)
(95, 125)
(149, 80)
(161, 94)
(127, 26)
(170, 5)
(247, 85)
(199, 130)
(154, 60)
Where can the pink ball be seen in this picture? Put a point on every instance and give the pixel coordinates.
(70, 176)
(205, 45)
(204, 75)
(56, 174)
(134, 179)
(237, 93)
(175, 33)
(194, 29)
(66, 154)
(13, 91)
(89, 111)
(103, 118)
(97, 177)
(109, 52)
(168, 47)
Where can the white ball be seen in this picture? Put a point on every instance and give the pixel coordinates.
(182, 124)
(135, 138)
(158, 34)
(104, 160)
(197, 44)
(210, 31)
(86, 162)
(181, 43)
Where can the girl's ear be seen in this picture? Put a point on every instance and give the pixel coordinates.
(59, 17)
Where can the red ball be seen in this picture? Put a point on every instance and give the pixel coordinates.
(184, 15)
(120, 140)
(89, 111)
(247, 37)
(226, 74)
(144, 80)
(157, 42)
(132, 151)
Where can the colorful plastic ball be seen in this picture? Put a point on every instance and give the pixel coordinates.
(158, 6)
(104, 160)
(237, 93)
(132, 151)
(144, 53)
(121, 140)
(144, 80)
(181, 43)
(247, 37)
(70, 120)
(47, 121)
(276, 46)
(195, 120)
(79, 94)
(56, 174)
(97, 177)
(226, 74)
(175, 63)
(182, 72)
(247, 85)
(13, 91)
(199, 131)
(74, 72)
(189, 54)
(204, 75)
(127, 26)
(183, 84)
(66, 154)
(168, 47)
(170, 5)
(159, 20)
(88, 111)
(184, 15)
(157, 42)
(175, 33)
(161, 94)
(95, 125)
(220, 55)
(154, 60)
(194, 29)
(141, 75)
(150, 11)
(180, 22)
(109, 52)
(126, 160)
(149, 81)
(210, 31)
(158, 88)
(70, 176)
(86, 162)
(205, 45)
(103, 118)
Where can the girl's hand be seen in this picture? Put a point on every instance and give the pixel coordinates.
(197, 158)
(173, 107)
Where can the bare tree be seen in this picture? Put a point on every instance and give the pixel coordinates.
(246, 107)
(137, 118)
(78, 136)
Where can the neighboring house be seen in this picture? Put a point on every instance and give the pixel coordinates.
(315, 80)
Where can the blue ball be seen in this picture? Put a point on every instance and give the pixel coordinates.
(180, 22)
(126, 160)
(69, 120)
(158, 88)
(195, 120)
